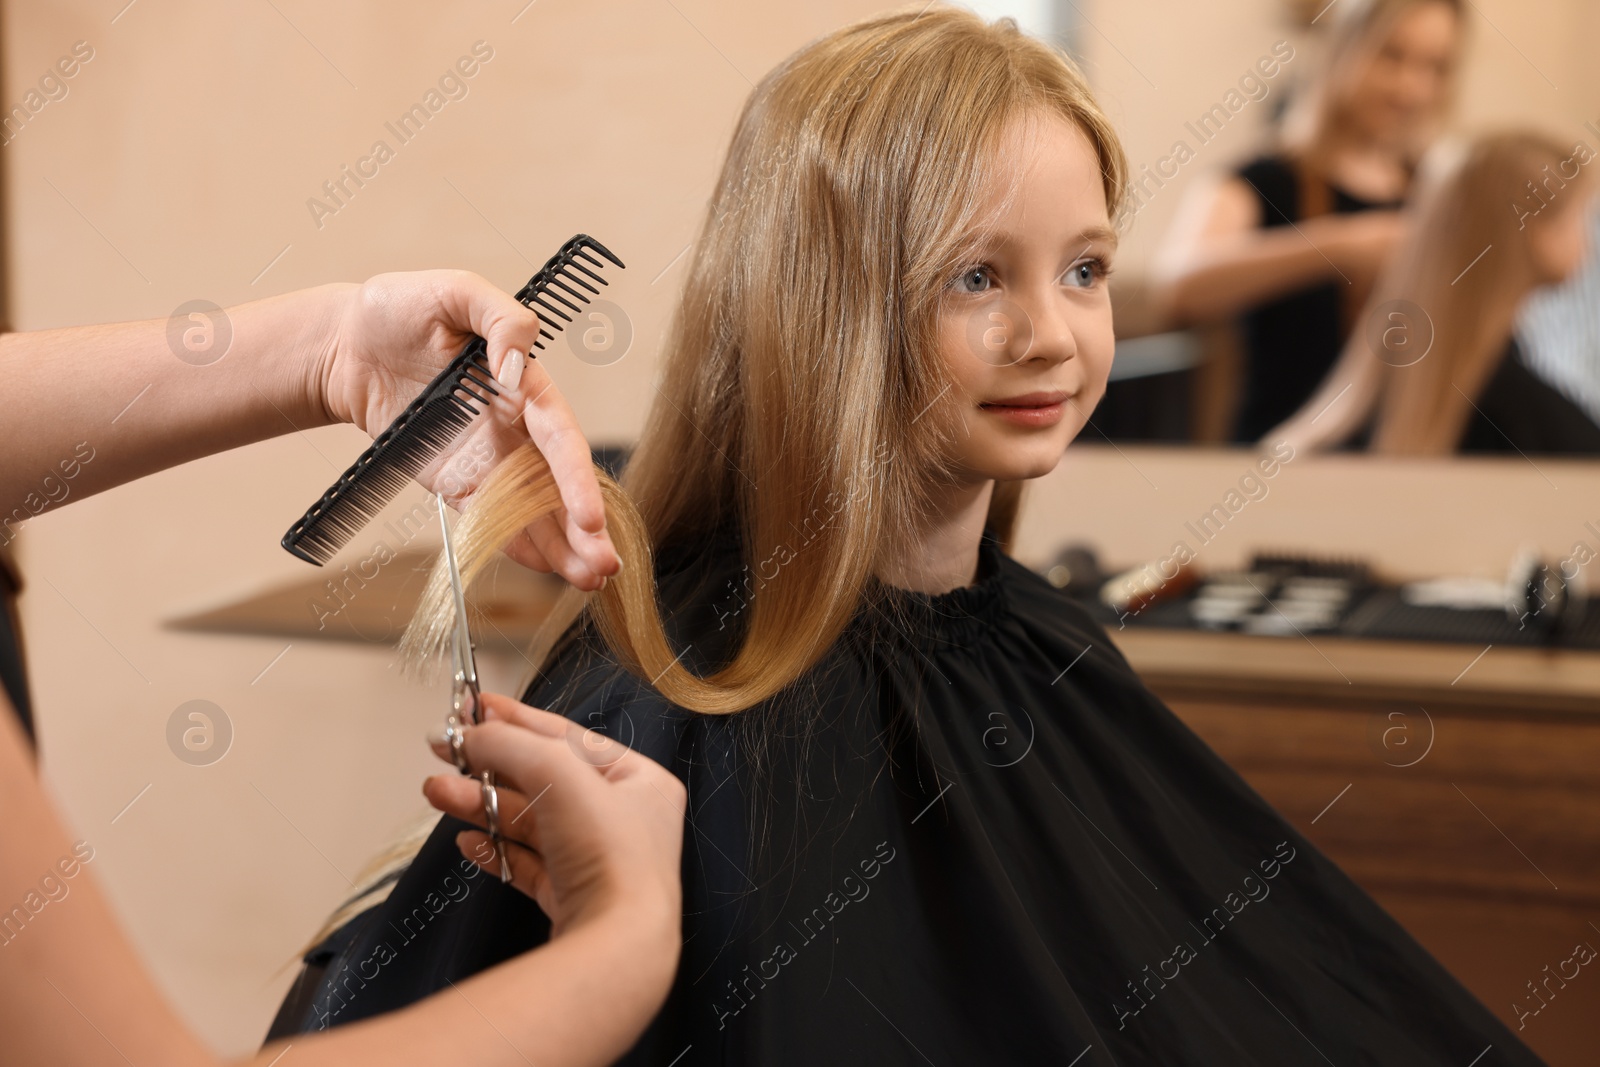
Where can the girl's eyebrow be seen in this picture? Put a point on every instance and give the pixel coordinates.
(1103, 234)
(997, 243)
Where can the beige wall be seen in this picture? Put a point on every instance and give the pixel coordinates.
(178, 167)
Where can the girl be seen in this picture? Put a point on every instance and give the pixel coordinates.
(1291, 242)
(1437, 368)
(933, 815)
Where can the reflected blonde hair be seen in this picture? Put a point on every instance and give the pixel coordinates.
(1423, 408)
(804, 401)
(1440, 317)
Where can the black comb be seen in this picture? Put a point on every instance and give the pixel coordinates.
(445, 408)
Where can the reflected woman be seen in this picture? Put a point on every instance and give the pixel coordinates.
(933, 814)
(1289, 244)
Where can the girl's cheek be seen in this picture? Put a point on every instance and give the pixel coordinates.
(1103, 346)
(1103, 365)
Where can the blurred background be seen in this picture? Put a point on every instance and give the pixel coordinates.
(1383, 691)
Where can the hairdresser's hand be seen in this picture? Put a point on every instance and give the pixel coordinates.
(396, 331)
(605, 824)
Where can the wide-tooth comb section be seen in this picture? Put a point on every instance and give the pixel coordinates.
(561, 277)
(442, 411)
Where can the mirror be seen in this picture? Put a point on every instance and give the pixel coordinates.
(1269, 147)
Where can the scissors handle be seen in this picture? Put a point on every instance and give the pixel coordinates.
(455, 734)
(491, 812)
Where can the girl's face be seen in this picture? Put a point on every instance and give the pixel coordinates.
(1405, 82)
(1026, 329)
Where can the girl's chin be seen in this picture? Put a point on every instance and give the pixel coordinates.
(1021, 468)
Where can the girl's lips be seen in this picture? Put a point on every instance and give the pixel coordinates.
(1033, 410)
(1031, 400)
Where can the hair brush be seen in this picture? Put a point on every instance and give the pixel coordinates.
(444, 409)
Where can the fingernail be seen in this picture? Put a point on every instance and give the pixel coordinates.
(602, 583)
(438, 736)
(511, 369)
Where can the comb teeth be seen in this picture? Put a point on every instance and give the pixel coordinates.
(544, 291)
(444, 409)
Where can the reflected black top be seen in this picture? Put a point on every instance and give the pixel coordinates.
(971, 835)
(1292, 342)
(1518, 411)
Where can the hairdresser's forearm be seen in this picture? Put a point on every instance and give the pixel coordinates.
(581, 1000)
(87, 408)
(1228, 274)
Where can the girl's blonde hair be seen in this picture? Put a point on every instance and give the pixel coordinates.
(1479, 208)
(804, 401)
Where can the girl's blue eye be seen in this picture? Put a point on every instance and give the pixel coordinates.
(1084, 275)
(974, 280)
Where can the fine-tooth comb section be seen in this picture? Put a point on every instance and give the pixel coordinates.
(444, 409)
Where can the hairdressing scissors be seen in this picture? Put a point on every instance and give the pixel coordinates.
(464, 704)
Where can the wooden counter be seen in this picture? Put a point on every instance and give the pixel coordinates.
(1460, 677)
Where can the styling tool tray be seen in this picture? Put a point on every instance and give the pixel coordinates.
(1298, 596)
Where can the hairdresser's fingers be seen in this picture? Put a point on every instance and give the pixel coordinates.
(598, 750)
(455, 794)
(601, 751)
(533, 764)
(462, 796)
(575, 535)
(439, 742)
(556, 433)
(527, 869)
(509, 709)
(524, 551)
(521, 746)
(548, 536)
(507, 326)
(546, 545)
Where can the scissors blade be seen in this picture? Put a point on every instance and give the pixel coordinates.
(467, 679)
(465, 662)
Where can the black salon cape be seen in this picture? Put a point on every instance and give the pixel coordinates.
(973, 837)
